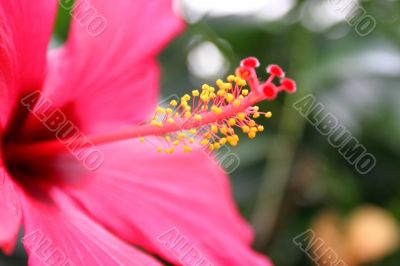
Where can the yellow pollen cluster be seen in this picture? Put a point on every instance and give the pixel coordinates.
(205, 117)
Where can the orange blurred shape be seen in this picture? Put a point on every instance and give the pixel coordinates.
(369, 233)
(372, 233)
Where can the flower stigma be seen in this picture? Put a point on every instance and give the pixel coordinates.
(209, 117)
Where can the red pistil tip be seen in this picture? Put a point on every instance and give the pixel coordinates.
(276, 71)
(270, 91)
(251, 62)
(211, 116)
(289, 85)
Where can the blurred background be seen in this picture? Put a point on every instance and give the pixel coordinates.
(291, 180)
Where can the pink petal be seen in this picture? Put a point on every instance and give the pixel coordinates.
(25, 30)
(144, 196)
(63, 235)
(112, 78)
(10, 213)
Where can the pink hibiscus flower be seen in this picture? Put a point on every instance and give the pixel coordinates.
(176, 206)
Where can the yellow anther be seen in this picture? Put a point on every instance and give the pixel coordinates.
(170, 120)
(245, 129)
(176, 115)
(188, 114)
(195, 93)
(141, 139)
(168, 110)
(170, 150)
(211, 147)
(206, 93)
(223, 130)
(211, 89)
(222, 141)
(229, 97)
(173, 103)
(217, 146)
(181, 135)
(160, 110)
(229, 139)
(268, 115)
(256, 115)
(245, 92)
(217, 110)
(252, 135)
(219, 83)
(260, 128)
(253, 129)
(155, 117)
(252, 123)
(184, 103)
(241, 116)
(231, 78)
(205, 87)
(212, 95)
(241, 97)
(256, 108)
(233, 143)
(214, 129)
(227, 86)
(208, 135)
(185, 98)
(241, 82)
(153, 123)
(191, 140)
(187, 149)
(198, 117)
(188, 108)
(238, 79)
(221, 93)
(159, 124)
(231, 122)
(175, 143)
(204, 142)
(236, 103)
(192, 131)
(168, 138)
(159, 149)
(204, 98)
